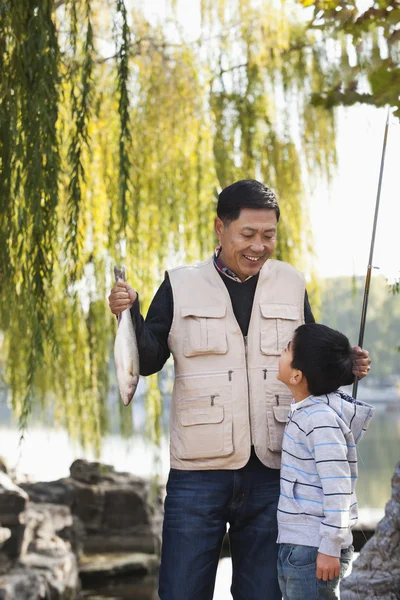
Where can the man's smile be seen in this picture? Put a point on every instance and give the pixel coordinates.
(252, 258)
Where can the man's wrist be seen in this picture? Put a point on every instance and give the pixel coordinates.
(135, 308)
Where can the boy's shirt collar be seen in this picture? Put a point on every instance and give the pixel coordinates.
(296, 405)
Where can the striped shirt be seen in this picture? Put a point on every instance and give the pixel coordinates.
(318, 504)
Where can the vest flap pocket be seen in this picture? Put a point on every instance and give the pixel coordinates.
(201, 415)
(203, 427)
(281, 413)
(204, 330)
(280, 311)
(206, 312)
(277, 416)
(278, 321)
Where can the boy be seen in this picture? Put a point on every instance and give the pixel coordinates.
(317, 505)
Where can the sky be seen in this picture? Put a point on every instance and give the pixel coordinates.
(341, 214)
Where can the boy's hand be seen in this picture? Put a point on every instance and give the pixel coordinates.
(328, 567)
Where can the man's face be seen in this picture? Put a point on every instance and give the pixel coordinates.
(248, 242)
(285, 370)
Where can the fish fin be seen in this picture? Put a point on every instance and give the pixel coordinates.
(119, 274)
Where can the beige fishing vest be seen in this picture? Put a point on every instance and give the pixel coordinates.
(226, 395)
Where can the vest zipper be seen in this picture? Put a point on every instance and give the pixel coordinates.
(195, 398)
(207, 374)
(248, 382)
(269, 370)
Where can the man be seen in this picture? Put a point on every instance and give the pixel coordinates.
(225, 321)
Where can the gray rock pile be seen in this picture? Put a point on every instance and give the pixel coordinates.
(376, 572)
(35, 561)
(96, 521)
(117, 511)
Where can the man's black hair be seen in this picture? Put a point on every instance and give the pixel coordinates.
(246, 193)
(324, 356)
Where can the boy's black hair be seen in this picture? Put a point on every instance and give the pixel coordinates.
(246, 193)
(324, 356)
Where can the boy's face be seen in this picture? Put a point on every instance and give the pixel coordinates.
(285, 370)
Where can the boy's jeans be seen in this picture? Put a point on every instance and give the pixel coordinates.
(297, 573)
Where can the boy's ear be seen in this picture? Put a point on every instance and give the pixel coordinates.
(296, 377)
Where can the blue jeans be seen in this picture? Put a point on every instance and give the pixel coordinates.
(298, 577)
(198, 506)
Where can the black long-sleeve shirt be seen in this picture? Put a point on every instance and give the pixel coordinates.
(152, 332)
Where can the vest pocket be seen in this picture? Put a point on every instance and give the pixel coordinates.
(277, 416)
(203, 428)
(277, 326)
(204, 330)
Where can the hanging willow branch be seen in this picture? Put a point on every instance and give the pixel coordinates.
(79, 190)
(125, 138)
(81, 96)
(7, 143)
(29, 181)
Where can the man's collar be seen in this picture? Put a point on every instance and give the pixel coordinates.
(219, 265)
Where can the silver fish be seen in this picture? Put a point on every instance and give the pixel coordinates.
(126, 353)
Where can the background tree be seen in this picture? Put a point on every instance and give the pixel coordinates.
(365, 51)
(382, 333)
(116, 135)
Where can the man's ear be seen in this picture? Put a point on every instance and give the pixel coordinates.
(296, 377)
(219, 227)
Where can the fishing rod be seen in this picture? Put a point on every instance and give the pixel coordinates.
(371, 252)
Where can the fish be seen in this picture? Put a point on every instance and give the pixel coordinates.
(126, 354)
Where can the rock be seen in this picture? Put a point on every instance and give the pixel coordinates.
(96, 508)
(119, 589)
(47, 568)
(118, 511)
(42, 578)
(52, 492)
(5, 534)
(99, 567)
(376, 572)
(5, 564)
(22, 585)
(12, 500)
(50, 529)
(122, 576)
(59, 572)
(91, 472)
(12, 503)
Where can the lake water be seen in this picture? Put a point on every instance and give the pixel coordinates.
(47, 453)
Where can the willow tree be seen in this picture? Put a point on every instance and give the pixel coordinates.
(364, 64)
(116, 135)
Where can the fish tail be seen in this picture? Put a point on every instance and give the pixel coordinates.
(119, 274)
